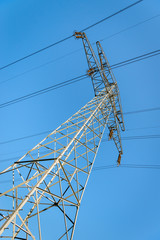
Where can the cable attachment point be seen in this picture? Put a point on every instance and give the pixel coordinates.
(90, 71)
(78, 35)
(119, 160)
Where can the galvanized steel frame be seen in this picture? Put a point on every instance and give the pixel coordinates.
(54, 174)
(71, 149)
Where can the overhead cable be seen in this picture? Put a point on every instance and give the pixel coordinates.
(49, 131)
(44, 90)
(130, 27)
(69, 37)
(105, 167)
(112, 15)
(136, 59)
(59, 58)
(143, 110)
(144, 166)
(142, 137)
(103, 140)
(77, 79)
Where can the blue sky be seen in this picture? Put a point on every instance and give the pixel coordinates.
(119, 203)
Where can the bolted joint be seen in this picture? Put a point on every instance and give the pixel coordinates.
(90, 71)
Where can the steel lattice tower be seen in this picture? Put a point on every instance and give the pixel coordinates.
(55, 172)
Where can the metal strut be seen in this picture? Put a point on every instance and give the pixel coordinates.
(110, 78)
(51, 178)
(94, 68)
(103, 79)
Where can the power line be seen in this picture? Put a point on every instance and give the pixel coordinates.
(25, 137)
(79, 78)
(44, 90)
(142, 137)
(105, 167)
(36, 52)
(70, 53)
(103, 140)
(155, 136)
(130, 27)
(112, 15)
(140, 166)
(136, 59)
(141, 128)
(113, 66)
(125, 113)
(144, 166)
(69, 37)
(143, 110)
(39, 66)
(49, 131)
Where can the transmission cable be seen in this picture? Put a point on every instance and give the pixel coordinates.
(130, 27)
(70, 53)
(77, 79)
(112, 15)
(116, 65)
(142, 110)
(69, 37)
(136, 59)
(103, 140)
(142, 128)
(44, 90)
(49, 131)
(155, 136)
(105, 167)
(142, 137)
(39, 66)
(145, 166)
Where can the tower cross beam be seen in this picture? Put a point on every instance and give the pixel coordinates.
(54, 173)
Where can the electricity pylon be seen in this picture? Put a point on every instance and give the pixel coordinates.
(50, 179)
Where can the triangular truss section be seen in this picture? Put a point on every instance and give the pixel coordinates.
(50, 179)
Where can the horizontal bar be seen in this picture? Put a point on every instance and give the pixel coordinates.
(36, 160)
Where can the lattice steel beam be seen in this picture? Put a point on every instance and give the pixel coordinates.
(103, 78)
(59, 182)
(53, 175)
(110, 78)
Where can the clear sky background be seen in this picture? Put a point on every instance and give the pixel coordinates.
(119, 203)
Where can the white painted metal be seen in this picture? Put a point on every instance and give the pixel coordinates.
(77, 141)
(53, 175)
